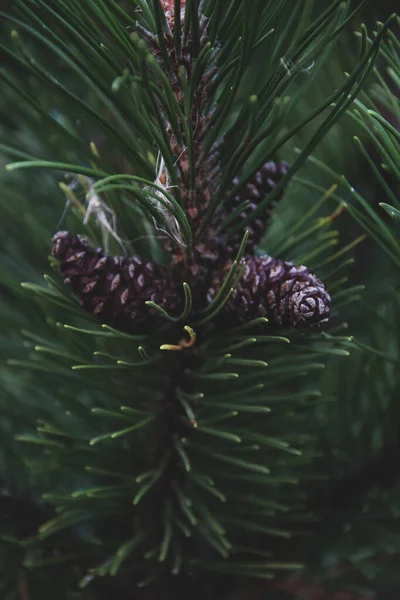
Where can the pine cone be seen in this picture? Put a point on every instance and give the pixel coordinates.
(116, 288)
(256, 189)
(288, 295)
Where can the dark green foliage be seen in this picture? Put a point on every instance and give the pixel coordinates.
(169, 461)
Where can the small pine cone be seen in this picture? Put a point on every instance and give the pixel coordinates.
(114, 288)
(288, 295)
(256, 189)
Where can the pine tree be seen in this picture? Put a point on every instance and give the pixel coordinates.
(192, 401)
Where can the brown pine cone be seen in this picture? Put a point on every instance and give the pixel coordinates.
(256, 189)
(115, 288)
(288, 295)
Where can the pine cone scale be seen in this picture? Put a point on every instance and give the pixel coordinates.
(114, 288)
(284, 293)
(253, 193)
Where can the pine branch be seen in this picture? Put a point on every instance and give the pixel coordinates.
(138, 415)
